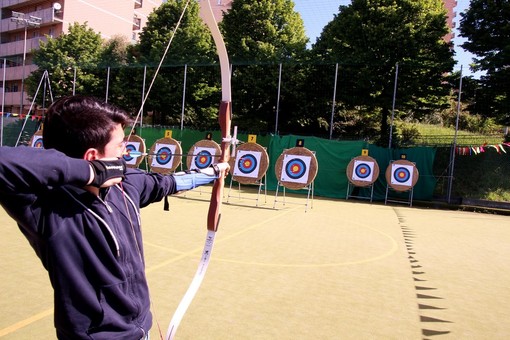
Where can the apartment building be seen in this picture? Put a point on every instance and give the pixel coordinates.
(25, 24)
(450, 11)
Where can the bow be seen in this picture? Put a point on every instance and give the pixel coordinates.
(213, 215)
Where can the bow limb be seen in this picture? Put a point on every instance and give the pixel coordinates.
(213, 216)
(224, 116)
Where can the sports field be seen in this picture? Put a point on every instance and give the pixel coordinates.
(340, 270)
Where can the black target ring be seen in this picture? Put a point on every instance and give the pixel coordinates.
(295, 169)
(247, 164)
(164, 156)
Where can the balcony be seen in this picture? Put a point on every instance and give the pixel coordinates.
(16, 48)
(16, 73)
(47, 15)
(14, 99)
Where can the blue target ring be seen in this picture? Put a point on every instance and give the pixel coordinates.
(203, 159)
(363, 171)
(164, 156)
(38, 143)
(129, 148)
(401, 175)
(295, 168)
(247, 164)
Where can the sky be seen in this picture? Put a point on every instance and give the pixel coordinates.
(317, 13)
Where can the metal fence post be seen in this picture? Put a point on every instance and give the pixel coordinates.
(452, 154)
(334, 103)
(393, 105)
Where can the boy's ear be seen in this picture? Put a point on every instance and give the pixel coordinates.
(91, 154)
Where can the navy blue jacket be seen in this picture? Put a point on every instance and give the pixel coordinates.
(91, 246)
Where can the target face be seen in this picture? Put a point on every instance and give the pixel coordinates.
(163, 156)
(296, 168)
(37, 143)
(402, 174)
(363, 171)
(131, 146)
(203, 158)
(247, 163)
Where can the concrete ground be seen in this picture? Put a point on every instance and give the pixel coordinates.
(340, 270)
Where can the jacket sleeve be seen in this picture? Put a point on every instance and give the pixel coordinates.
(26, 170)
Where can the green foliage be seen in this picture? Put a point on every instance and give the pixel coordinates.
(486, 25)
(80, 48)
(266, 32)
(191, 45)
(369, 37)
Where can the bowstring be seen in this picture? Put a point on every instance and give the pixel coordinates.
(133, 128)
(157, 70)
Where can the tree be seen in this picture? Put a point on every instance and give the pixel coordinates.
(81, 49)
(369, 37)
(259, 35)
(192, 45)
(486, 25)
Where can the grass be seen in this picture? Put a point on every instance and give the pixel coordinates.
(479, 176)
(434, 135)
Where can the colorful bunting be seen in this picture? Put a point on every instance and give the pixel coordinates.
(476, 150)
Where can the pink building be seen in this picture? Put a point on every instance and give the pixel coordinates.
(25, 23)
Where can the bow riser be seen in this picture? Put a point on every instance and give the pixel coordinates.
(213, 216)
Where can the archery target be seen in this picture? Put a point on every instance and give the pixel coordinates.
(247, 163)
(250, 164)
(203, 158)
(135, 143)
(402, 175)
(296, 168)
(165, 155)
(131, 146)
(37, 141)
(203, 154)
(363, 171)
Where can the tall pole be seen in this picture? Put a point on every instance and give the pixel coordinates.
(32, 21)
(107, 83)
(3, 105)
(334, 103)
(278, 100)
(74, 81)
(184, 95)
(23, 71)
(143, 96)
(393, 105)
(452, 153)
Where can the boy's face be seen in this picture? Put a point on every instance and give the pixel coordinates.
(115, 147)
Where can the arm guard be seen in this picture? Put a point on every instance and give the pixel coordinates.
(189, 179)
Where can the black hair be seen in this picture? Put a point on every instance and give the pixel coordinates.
(74, 124)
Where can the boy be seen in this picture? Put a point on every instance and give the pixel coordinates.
(78, 206)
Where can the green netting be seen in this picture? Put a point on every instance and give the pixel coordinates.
(423, 157)
(332, 158)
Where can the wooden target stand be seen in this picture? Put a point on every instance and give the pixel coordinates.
(201, 155)
(401, 176)
(165, 155)
(249, 167)
(296, 169)
(362, 171)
